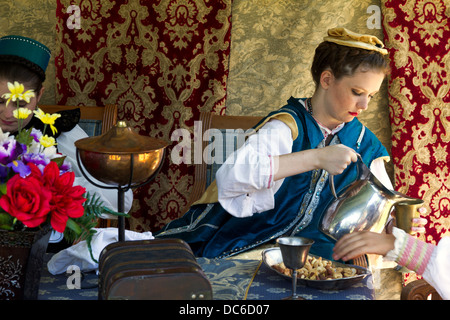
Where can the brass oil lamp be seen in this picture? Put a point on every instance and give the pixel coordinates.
(121, 159)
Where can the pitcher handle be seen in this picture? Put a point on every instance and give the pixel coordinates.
(331, 179)
(333, 190)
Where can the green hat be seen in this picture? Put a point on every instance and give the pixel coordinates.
(27, 49)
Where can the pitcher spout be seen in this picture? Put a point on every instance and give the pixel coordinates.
(400, 198)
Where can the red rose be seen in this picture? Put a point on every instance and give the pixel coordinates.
(67, 200)
(27, 200)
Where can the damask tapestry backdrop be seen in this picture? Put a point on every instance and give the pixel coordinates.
(417, 34)
(161, 62)
(272, 49)
(164, 61)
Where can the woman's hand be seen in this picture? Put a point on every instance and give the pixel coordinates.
(335, 159)
(420, 223)
(355, 244)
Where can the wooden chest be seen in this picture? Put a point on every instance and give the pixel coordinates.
(159, 269)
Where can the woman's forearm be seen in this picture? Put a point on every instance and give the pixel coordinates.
(333, 159)
(294, 163)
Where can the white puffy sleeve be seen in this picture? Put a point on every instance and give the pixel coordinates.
(436, 272)
(245, 181)
(379, 170)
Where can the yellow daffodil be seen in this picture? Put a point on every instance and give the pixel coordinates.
(27, 95)
(21, 113)
(16, 93)
(15, 90)
(47, 141)
(47, 118)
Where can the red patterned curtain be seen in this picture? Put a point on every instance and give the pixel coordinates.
(161, 62)
(417, 34)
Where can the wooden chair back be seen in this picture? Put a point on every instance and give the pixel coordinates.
(203, 171)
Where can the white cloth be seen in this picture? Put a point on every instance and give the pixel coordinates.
(436, 273)
(79, 255)
(245, 181)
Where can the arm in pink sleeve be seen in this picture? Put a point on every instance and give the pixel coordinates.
(426, 259)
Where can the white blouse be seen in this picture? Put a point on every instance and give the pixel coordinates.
(245, 180)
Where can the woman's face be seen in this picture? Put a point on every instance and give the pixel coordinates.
(7, 121)
(347, 97)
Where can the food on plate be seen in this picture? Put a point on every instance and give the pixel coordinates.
(316, 268)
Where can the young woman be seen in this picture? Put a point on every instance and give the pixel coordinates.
(276, 184)
(25, 61)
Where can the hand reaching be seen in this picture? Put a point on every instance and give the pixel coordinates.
(356, 244)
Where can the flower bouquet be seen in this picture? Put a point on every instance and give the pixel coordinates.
(36, 182)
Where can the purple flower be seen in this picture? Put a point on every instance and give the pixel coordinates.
(65, 167)
(39, 159)
(3, 173)
(36, 134)
(9, 151)
(19, 167)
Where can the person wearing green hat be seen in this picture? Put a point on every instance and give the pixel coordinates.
(24, 61)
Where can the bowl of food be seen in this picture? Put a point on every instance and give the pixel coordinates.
(317, 272)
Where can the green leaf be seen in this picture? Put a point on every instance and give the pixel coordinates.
(72, 225)
(6, 221)
(59, 161)
(82, 228)
(3, 188)
(24, 137)
(94, 208)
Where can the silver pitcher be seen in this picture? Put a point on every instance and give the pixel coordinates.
(365, 204)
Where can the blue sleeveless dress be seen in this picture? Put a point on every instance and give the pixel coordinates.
(299, 203)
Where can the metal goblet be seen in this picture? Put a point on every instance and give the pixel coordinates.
(405, 212)
(294, 251)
